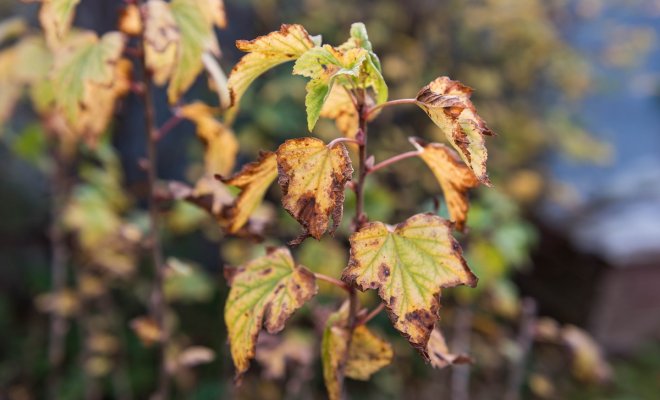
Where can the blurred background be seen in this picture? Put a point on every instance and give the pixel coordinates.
(566, 245)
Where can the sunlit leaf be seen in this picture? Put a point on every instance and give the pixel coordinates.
(266, 52)
(56, 17)
(324, 65)
(162, 40)
(367, 354)
(454, 177)
(408, 264)
(264, 292)
(312, 177)
(130, 20)
(253, 180)
(448, 104)
(220, 143)
(439, 354)
(195, 26)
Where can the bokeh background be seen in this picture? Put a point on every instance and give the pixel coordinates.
(566, 244)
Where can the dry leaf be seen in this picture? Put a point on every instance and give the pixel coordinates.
(448, 104)
(264, 293)
(312, 177)
(253, 180)
(439, 354)
(454, 177)
(409, 264)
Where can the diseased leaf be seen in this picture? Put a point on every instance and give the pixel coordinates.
(220, 143)
(324, 65)
(448, 104)
(439, 355)
(253, 180)
(162, 40)
(409, 264)
(454, 177)
(367, 354)
(56, 17)
(195, 25)
(312, 177)
(264, 53)
(264, 292)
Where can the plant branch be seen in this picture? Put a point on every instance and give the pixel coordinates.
(524, 342)
(58, 264)
(331, 280)
(372, 314)
(460, 374)
(390, 103)
(392, 160)
(157, 296)
(334, 142)
(172, 122)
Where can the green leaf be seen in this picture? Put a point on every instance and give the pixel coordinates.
(264, 292)
(324, 65)
(408, 264)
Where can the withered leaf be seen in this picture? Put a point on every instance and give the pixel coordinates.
(312, 177)
(264, 292)
(454, 177)
(367, 354)
(448, 104)
(253, 180)
(220, 142)
(264, 53)
(408, 264)
(439, 354)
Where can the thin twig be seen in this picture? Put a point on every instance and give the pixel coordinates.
(524, 342)
(372, 314)
(172, 122)
(58, 264)
(332, 143)
(157, 295)
(460, 377)
(334, 281)
(392, 160)
(377, 107)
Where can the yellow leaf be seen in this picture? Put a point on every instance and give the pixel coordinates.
(266, 52)
(130, 20)
(264, 292)
(197, 37)
(409, 264)
(147, 330)
(439, 354)
(455, 178)
(56, 17)
(339, 106)
(89, 76)
(214, 11)
(312, 177)
(253, 180)
(161, 40)
(221, 144)
(367, 354)
(448, 104)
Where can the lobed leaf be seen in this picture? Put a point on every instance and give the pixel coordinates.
(56, 17)
(408, 264)
(220, 142)
(253, 180)
(448, 104)
(455, 178)
(264, 53)
(367, 355)
(312, 177)
(264, 293)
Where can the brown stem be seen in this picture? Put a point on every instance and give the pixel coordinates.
(59, 259)
(372, 314)
(157, 296)
(172, 122)
(375, 108)
(392, 160)
(342, 139)
(524, 341)
(334, 281)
